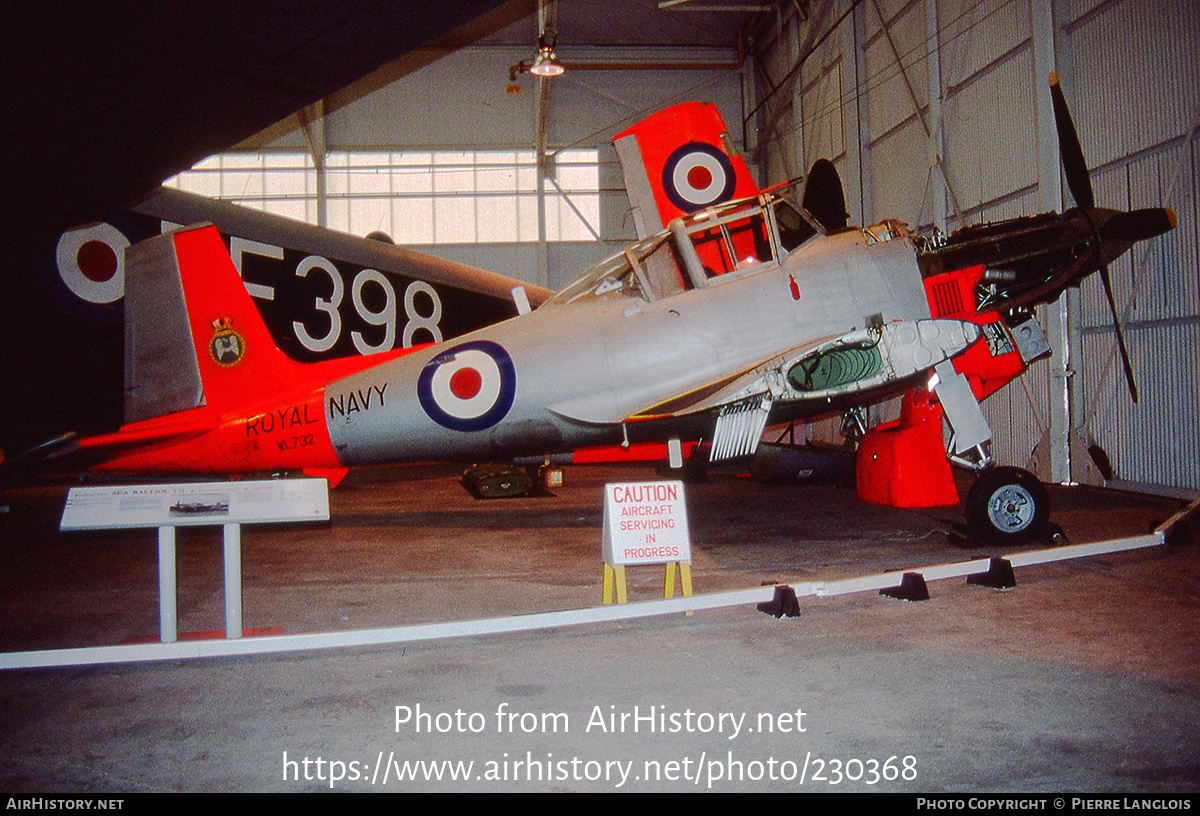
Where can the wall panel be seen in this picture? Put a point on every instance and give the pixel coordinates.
(889, 103)
(899, 174)
(1136, 101)
(1134, 78)
(824, 134)
(973, 34)
(1129, 72)
(988, 122)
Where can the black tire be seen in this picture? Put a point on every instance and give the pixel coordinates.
(1007, 506)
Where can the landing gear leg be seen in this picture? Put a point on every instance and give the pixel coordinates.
(1006, 506)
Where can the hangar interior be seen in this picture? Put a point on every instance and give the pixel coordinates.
(934, 113)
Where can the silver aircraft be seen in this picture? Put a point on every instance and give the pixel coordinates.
(651, 344)
(735, 317)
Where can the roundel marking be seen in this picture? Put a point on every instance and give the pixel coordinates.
(97, 261)
(698, 175)
(91, 262)
(469, 387)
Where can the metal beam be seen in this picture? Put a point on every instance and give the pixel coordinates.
(856, 126)
(1063, 316)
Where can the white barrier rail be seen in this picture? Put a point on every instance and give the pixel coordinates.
(552, 620)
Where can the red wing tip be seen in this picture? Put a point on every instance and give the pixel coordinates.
(1053, 78)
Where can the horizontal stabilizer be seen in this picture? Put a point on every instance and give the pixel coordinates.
(109, 446)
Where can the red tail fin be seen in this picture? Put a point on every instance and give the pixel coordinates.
(237, 359)
(678, 161)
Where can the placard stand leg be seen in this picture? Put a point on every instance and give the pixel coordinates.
(233, 580)
(166, 584)
(167, 611)
(228, 505)
(614, 576)
(685, 580)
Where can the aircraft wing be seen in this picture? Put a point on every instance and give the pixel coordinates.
(179, 208)
(854, 367)
(678, 161)
(323, 294)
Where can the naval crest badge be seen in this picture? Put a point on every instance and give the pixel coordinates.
(227, 346)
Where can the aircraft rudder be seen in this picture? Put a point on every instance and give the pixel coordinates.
(236, 356)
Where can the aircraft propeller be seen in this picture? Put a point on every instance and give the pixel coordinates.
(1119, 227)
(824, 198)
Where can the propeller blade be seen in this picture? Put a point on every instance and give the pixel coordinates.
(1079, 180)
(1112, 306)
(823, 196)
(1139, 225)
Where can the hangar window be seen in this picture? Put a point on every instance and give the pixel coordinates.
(463, 197)
(277, 182)
(416, 197)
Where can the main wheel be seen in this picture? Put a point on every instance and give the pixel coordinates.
(1007, 506)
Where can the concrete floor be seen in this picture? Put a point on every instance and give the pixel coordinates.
(1086, 677)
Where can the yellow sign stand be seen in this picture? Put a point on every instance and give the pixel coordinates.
(685, 579)
(614, 580)
(614, 575)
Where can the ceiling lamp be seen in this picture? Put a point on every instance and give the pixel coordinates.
(546, 63)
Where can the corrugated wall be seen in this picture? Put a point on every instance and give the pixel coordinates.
(1129, 68)
(1136, 87)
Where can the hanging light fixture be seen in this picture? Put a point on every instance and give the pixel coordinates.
(546, 63)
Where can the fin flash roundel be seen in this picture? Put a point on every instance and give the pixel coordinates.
(698, 175)
(470, 387)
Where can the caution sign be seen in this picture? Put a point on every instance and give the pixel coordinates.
(645, 523)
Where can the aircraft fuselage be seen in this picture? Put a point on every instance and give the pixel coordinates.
(567, 375)
(646, 345)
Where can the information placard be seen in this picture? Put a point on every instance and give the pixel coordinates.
(194, 504)
(645, 523)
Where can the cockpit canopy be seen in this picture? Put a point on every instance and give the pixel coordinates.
(733, 238)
